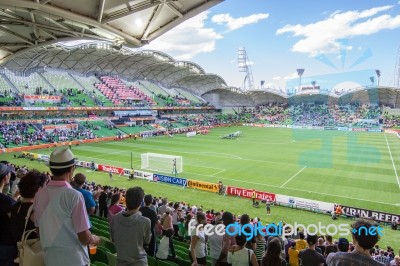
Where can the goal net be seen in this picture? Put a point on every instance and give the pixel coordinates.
(162, 162)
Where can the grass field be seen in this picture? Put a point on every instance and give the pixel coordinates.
(350, 168)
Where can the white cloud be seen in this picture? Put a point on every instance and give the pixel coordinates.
(188, 39)
(237, 23)
(323, 36)
(291, 76)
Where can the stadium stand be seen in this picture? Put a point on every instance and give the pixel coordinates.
(89, 84)
(118, 92)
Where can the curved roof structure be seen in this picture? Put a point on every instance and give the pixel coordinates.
(30, 23)
(106, 58)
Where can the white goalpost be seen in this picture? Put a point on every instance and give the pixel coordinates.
(162, 162)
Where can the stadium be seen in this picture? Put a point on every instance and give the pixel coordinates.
(78, 76)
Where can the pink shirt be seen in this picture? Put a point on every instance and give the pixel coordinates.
(113, 210)
(79, 217)
(60, 213)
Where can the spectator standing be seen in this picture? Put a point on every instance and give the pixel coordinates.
(20, 173)
(260, 247)
(152, 215)
(176, 216)
(239, 255)
(343, 245)
(28, 187)
(363, 243)
(382, 258)
(61, 215)
(395, 261)
(311, 257)
(103, 210)
(215, 241)
(166, 220)
(272, 256)
(114, 206)
(293, 255)
(228, 241)
(8, 249)
(301, 243)
(321, 245)
(79, 181)
(163, 207)
(330, 246)
(130, 231)
(198, 244)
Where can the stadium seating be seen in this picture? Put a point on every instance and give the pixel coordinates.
(119, 93)
(30, 85)
(89, 84)
(78, 97)
(60, 80)
(100, 128)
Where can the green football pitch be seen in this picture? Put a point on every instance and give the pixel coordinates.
(349, 168)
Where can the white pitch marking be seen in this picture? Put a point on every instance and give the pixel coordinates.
(391, 157)
(293, 176)
(223, 170)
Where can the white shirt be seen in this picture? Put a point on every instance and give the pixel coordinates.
(200, 248)
(14, 187)
(240, 257)
(163, 248)
(174, 215)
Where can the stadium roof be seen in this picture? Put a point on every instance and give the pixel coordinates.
(30, 23)
(87, 57)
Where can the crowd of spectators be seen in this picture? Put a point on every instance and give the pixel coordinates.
(21, 133)
(304, 114)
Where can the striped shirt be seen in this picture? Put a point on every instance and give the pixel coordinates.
(260, 248)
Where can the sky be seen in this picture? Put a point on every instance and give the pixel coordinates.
(322, 37)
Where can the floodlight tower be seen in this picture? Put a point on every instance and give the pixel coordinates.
(396, 81)
(378, 74)
(244, 66)
(300, 72)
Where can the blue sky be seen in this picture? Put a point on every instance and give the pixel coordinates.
(324, 37)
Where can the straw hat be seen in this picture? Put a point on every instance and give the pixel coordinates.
(62, 158)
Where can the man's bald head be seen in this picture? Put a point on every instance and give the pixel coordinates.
(79, 179)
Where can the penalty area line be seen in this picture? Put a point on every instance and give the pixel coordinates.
(293, 176)
(223, 170)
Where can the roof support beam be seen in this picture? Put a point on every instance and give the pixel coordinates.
(191, 13)
(43, 2)
(35, 31)
(173, 9)
(42, 26)
(152, 20)
(101, 10)
(130, 12)
(16, 35)
(56, 11)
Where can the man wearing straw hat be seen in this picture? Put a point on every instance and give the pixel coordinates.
(61, 216)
